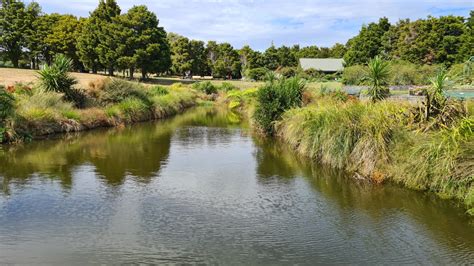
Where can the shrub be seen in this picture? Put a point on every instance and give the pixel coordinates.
(132, 108)
(404, 73)
(352, 136)
(207, 87)
(55, 78)
(274, 98)
(441, 162)
(157, 90)
(118, 90)
(354, 75)
(287, 72)
(7, 104)
(257, 73)
(227, 86)
(7, 109)
(44, 105)
(312, 73)
(377, 76)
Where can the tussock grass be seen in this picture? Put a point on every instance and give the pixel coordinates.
(351, 135)
(44, 106)
(380, 141)
(440, 161)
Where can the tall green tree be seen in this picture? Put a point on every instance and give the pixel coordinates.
(227, 64)
(181, 56)
(14, 26)
(271, 58)
(108, 29)
(33, 43)
(62, 38)
(144, 41)
(198, 52)
(367, 44)
(87, 43)
(467, 47)
(338, 51)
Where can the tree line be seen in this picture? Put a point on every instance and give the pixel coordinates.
(109, 40)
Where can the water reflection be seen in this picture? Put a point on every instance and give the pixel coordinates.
(138, 151)
(200, 188)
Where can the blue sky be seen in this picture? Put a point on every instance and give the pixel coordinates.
(261, 22)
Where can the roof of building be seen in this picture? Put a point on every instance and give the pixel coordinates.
(322, 64)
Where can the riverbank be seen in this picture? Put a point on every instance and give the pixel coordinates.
(379, 142)
(35, 113)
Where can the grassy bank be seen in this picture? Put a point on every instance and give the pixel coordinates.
(381, 142)
(58, 103)
(38, 112)
(425, 146)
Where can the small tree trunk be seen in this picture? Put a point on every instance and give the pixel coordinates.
(111, 71)
(143, 74)
(132, 70)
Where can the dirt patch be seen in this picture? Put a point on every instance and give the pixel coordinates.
(10, 76)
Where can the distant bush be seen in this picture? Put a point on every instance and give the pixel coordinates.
(7, 109)
(207, 87)
(45, 106)
(312, 73)
(354, 75)
(158, 90)
(257, 73)
(55, 78)
(287, 72)
(406, 73)
(118, 90)
(274, 98)
(227, 86)
(7, 104)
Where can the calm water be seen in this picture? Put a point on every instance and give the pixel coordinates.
(200, 189)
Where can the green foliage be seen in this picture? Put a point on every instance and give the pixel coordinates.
(274, 98)
(227, 63)
(145, 45)
(118, 90)
(227, 86)
(207, 87)
(288, 72)
(7, 104)
(351, 136)
(7, 110)
(354, 75)
(367, 44)
(441, 162)
(55, 78)
(157, 90)
(62, 38)
(435, 96)
(14, 26)
(377, 77)
(257, 73)
(45, 106)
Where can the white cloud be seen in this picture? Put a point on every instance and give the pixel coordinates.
(259, 22)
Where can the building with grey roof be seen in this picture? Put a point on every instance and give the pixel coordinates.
(326, 65)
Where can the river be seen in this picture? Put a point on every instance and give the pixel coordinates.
(200, 188)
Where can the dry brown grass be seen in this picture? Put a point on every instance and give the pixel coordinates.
(10, 76)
